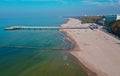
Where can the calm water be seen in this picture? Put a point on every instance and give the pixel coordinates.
(36, 53)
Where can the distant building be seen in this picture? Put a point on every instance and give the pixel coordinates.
(118, 17)
(85, 15)
(110, 18)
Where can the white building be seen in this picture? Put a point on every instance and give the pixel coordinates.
(118, 17)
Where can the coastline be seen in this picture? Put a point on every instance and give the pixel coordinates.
(72, 52)
(93, 61)
(77, 48)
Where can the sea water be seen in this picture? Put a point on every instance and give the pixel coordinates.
(36, 52)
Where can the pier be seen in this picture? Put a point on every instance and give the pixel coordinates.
(42, 28)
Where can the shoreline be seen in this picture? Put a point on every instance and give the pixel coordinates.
(82, 64)
(76, 48)
(92, 50)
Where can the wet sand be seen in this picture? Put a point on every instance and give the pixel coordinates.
(97, 51)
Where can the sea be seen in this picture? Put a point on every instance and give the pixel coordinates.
(36, 52)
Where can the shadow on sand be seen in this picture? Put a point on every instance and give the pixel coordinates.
(118, 43)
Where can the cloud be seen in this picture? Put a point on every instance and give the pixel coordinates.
(103, 3)
(91, 2)
(119, 1)
(36, 0)
(60, 1)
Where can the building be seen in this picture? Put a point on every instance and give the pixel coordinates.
(110, 18)
(118, 17)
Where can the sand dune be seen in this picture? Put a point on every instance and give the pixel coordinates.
(97, 50)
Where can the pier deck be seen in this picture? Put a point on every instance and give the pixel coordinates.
(41, 28)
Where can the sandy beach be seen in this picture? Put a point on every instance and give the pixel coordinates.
(96, 50)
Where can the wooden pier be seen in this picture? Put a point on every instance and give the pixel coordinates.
(41, 28)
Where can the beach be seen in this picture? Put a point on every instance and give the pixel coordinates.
(97, 51)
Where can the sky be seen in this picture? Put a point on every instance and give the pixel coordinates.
(26, 8)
